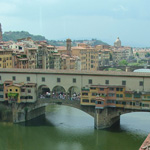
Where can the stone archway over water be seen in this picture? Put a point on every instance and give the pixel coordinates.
(59, 92)
(44, 91)
(74, 93)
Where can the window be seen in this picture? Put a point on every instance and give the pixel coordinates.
(111, 89)
(137, 95)
(10, 90)
(117, 95)
(13, 78)
(101, 89)
(94, 94)
(128, 95)
(43, 79)
(29, 90)
(111, 95)
(22, 90)
(16, 90)
(106, 81)
(85, 94)
(123, 82)
(141, 83)
(28, 78)
(90, 81)
(100, 102)
(30, 97)
(85, 100)
(74, 80)
(0, 78)
(1, 96)
(58, 80)
(93, 101)
(121, 95)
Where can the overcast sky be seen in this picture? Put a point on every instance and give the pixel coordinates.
(80, 19)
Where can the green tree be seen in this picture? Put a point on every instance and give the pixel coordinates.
(147, 54)
(123, 63)
(137, 54)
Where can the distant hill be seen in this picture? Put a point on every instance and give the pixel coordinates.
(14, 35)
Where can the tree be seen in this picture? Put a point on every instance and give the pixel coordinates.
(137, 54)
(123, 63)
(147, 54)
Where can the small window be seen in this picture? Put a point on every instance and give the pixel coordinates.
(74, 80)
(85, 100)
(90, 81)
(101, 89)
(28, 78)
(58, 80)
(123, 82)
(141, 83)
(111, 89)
(93, 101)
(22, 90)
(10, 90)
(106, 81)
(0, 78)
(43, 79)
(13, 78)
(1, 96)
(16, 90)
(29, 90)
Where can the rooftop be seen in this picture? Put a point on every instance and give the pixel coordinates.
(75, 72)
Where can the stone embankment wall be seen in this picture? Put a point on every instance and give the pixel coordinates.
(5, 113)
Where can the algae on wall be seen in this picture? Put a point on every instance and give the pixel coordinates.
(5, 113)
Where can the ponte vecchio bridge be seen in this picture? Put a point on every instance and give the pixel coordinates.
(104, 95)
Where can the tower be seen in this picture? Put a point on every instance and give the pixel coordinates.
(1, 37)
(117, 43)
(68, 43)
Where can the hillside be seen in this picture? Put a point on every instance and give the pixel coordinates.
(14, 35)
(7, 36)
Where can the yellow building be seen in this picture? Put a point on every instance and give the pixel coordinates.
(88, 57)
(102, 96)
(5, 58)
(14, 92)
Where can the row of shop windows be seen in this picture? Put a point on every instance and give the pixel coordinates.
(26, 97)
(116, 102)
(136, 95)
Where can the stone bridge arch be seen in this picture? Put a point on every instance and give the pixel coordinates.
(43, 91)
(74, 93)
(59, 92)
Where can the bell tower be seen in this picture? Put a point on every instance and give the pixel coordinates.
(68, 43)
(1, 37)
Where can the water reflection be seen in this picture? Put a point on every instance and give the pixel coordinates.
(65, 128)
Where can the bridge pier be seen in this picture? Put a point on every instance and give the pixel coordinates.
(105, 118)
(27, 112)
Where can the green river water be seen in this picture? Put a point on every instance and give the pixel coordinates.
(67, 128)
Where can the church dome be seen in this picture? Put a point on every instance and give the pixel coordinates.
(117, 43)
(118, 40)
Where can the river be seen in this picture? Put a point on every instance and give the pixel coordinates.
(67, 128)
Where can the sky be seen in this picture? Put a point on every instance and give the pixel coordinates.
(80, 19)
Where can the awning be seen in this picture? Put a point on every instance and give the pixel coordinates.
(13, 94)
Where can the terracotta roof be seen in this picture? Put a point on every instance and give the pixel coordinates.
(146, 144)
